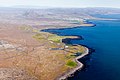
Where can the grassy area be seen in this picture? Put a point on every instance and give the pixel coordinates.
(51, 37)
(38, 36)
(75, 49)
(71, 64)
(56, 38)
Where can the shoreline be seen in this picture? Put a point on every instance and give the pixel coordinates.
(80, 65)
(62, 28)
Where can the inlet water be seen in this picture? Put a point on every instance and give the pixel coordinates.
(104, 63)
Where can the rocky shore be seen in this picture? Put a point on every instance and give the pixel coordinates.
(79, 66)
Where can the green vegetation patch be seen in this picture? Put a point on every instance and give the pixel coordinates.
(55, 38)
(71, 63)
(38, 36)
(76, 49)
(58, 39)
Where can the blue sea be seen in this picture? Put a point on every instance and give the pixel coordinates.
(104, 38)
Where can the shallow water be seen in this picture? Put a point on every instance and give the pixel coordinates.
(104, 63)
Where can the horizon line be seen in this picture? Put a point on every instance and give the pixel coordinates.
(39, 7)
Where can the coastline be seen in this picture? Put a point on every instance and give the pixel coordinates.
(79, 66)
(69, 27)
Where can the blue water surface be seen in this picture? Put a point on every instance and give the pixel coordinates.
(104, 63)
(109, 16)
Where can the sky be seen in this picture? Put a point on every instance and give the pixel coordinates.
(62, 3)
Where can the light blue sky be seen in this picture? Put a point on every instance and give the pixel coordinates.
(63, 3)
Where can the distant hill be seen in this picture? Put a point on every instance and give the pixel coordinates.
(31, 7)
(22, 13)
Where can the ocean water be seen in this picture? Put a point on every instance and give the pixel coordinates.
(104, 38)
(109, 16)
